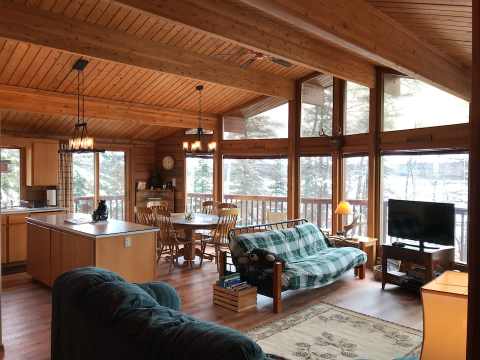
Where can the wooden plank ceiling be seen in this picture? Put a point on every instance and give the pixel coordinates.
(37, 67)
(444, 23)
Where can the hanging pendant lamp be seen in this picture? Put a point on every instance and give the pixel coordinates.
(196, 145)
(80, 142)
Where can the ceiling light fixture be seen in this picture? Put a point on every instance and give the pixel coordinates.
(80, 142)
(196, 145)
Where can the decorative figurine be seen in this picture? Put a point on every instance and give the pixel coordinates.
(101, 214)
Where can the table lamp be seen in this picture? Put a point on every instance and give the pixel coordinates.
(344, 208)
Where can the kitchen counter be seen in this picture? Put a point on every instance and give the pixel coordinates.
(92, 230)
(54, 247)
(25, 210)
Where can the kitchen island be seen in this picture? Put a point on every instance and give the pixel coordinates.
(55, 246)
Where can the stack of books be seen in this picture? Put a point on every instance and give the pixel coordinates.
(233, 282)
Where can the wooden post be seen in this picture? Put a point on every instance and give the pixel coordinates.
(217, 162)
(376, 113)
(337, 163)
(294, 119)
(473, 328)
(277, 287)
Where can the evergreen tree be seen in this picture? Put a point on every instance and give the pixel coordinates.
(203, 176)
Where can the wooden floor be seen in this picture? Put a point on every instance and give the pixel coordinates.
(26, 306)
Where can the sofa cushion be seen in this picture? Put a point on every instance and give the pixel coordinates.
(290, 244)
(274, 241)
(311, 239)
(163, 293)
(322, 268)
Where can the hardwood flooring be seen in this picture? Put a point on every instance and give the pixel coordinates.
(26, 306)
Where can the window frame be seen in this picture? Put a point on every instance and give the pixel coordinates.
(96, 180)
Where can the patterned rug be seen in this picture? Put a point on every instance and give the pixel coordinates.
(325, 331)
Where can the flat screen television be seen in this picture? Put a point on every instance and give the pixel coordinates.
(425, 222)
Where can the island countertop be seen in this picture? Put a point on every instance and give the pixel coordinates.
(101, 229)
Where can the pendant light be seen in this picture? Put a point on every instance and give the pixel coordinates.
(196, 145)
(80, 142)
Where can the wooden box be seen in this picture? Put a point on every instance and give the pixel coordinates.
(238, 301)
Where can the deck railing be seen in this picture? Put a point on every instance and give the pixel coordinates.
(254, 208)
(115, 205)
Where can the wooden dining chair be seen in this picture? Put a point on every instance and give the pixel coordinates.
(168, 239)
(158, 204)
(227, 219)
(208, 207)
(144, 216)
(225, 205)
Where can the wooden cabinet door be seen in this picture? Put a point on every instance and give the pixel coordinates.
(39, 254)
(17, 238)
(42, 164)
(70, 251)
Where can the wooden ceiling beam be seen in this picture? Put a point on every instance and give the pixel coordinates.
(229, 20)
(360, 28)
(52, 30)
(53, 103)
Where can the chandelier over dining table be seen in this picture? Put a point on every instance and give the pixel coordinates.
(196, 146)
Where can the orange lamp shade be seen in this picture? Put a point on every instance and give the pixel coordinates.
(343, 208)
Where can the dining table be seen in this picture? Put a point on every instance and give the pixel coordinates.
(197, 222)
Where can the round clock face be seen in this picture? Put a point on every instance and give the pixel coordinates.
(168, 162)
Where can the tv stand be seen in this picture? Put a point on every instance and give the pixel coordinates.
(434, 260)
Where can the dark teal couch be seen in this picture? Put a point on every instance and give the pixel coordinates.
(97, 315)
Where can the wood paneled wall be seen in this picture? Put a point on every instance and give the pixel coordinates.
(172, 145)
(141, 164)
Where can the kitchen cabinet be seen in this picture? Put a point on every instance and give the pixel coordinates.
(42, 163)
(17, 238)
(39, 253)
(14, 235)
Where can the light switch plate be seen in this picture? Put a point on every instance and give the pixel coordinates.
(128, 242)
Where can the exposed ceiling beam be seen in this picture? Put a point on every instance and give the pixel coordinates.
(229, 20)
(56, 31)
(359, 27)
(53, 103)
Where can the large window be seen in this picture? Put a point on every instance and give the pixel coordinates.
(436, 177)
(317, 106)
(264, 121)
(355, 191)
(357, 108)
(199, 182)
(9, 177)
(316, 190)
(100, 176)
(112, 182)
(84, 182)
(256, 186)
(411, 104)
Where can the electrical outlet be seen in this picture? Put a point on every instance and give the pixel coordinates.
(128, 242)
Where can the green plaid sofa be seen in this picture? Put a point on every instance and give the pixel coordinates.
(309, 261)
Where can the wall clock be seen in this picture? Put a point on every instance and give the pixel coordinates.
(168, 162)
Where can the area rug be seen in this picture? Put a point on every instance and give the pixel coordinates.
(326, 331)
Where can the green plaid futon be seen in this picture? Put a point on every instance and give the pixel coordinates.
(310, 262)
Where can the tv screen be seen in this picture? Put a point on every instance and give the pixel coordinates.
(422, 221)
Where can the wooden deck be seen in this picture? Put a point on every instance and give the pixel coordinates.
(26, 306)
